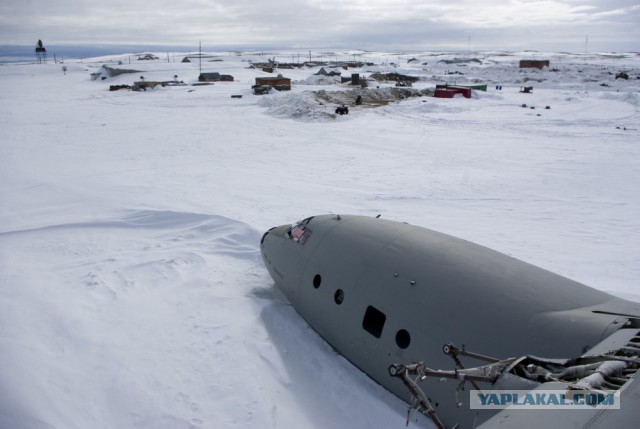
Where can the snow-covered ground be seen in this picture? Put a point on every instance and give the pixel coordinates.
(132, 293)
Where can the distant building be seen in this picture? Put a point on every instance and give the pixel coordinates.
(280, 83)
(214, 77)
(452, 91)
(323, 72)
(105, 72)
(146, 57)
(537, 64)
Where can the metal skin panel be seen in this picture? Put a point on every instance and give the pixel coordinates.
(439, 289)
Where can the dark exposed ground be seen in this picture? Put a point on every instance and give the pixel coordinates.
(370, 97)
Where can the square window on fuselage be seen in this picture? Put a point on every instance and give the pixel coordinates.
(373, 321)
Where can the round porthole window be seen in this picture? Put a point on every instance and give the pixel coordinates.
(338, 297)
(316, 281)
(403, 339)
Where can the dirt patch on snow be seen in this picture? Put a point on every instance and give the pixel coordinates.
(319, 106)
(370, 97)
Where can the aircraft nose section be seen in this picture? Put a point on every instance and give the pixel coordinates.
(273, 249)
(280, 248)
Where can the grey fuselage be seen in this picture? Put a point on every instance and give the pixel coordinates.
(384, 292)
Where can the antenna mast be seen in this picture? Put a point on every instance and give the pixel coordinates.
(586, 42)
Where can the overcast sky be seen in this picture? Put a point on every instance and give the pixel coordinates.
(560, 25)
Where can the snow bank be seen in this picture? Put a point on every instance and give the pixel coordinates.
(302, 106)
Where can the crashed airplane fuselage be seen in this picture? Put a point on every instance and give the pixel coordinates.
(387, 295)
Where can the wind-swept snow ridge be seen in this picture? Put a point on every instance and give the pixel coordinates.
(209, 233)
(107, 309)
